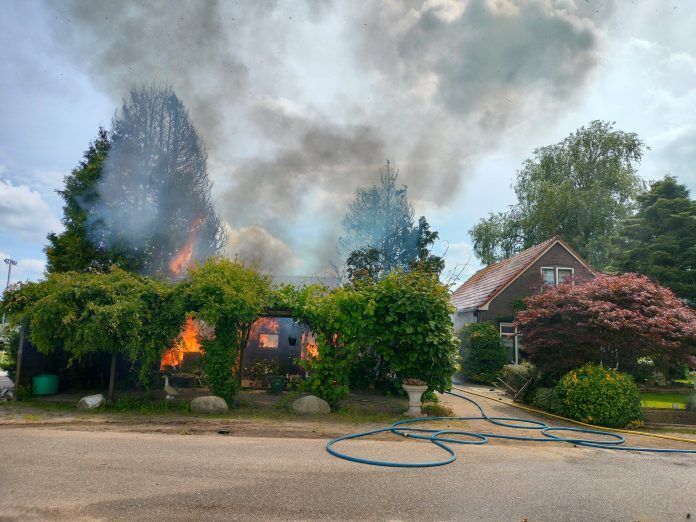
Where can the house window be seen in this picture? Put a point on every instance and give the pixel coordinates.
(556, 275)
(268, 340)
(511, 341)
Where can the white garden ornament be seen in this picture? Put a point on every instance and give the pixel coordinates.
(415, 389)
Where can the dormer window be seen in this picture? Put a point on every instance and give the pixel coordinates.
(556, 275)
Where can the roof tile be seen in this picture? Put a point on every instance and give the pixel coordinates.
(475, 291)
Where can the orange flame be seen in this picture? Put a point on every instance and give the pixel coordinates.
(264, 332)
(310, 349)
(186, 342)
(182, 261)
(267, 325)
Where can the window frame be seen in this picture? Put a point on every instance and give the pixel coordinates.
(515, 338)
(269, 336)
(555, 274)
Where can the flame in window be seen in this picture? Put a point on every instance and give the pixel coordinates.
(186, 342)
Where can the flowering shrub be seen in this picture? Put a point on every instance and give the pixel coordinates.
(610, 319)
(596, 395)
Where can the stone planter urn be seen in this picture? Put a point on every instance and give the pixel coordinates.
(415, 392)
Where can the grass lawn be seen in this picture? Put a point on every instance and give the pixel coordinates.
(358, 408)
(666, 400)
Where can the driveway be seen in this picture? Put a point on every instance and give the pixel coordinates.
(57, 474)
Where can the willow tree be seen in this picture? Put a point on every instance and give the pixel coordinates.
(116, 313)
(580, 188)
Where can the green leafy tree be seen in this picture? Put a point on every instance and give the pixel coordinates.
(580, 188)
(660, 239)
(115, 313)
(397, 328)
(73, 249)
(410, 327)
(365, 264)
(229, 297)
(380, 232)
(483, 354)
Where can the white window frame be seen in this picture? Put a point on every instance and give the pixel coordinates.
(515, 339)
(555, 272)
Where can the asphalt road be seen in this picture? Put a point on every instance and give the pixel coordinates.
(58, 474)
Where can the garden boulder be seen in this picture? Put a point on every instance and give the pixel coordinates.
(209, 404)
(311, 405)
(91, 402)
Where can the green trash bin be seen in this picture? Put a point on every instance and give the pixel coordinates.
(44, 385)
(277, 383)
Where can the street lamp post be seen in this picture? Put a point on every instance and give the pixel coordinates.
(10, 263)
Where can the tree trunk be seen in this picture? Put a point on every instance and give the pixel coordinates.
(112, 378)
(18, 370)
(242, 347)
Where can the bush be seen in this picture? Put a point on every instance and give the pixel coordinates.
(411, 329)
(596, 395)
(87, 315)
(545, 399)
(437, 410)
(340, 324)
(516, 375)
(373, 333)
(483, 354)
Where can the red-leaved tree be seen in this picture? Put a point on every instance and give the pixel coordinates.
(614, 320)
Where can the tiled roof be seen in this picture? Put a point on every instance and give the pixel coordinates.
(478, 288)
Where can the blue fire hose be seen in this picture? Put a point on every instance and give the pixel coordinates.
(441, 438)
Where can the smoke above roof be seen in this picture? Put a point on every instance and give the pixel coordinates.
(300, 103)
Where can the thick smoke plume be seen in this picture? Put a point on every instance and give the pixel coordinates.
(300, 103)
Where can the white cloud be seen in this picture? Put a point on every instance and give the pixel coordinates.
(25, 269)
(24, 212)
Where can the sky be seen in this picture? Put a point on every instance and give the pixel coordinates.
(301, 102)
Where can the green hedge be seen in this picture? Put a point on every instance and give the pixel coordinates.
(376, 333)
(596, 395)
(483, 355)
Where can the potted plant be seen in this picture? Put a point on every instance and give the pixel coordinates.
(415, 389)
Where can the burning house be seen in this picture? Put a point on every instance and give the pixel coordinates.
(276, 342)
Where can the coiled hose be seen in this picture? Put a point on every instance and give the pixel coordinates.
(441, 438)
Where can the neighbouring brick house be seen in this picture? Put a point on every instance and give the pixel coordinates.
(494, 293)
